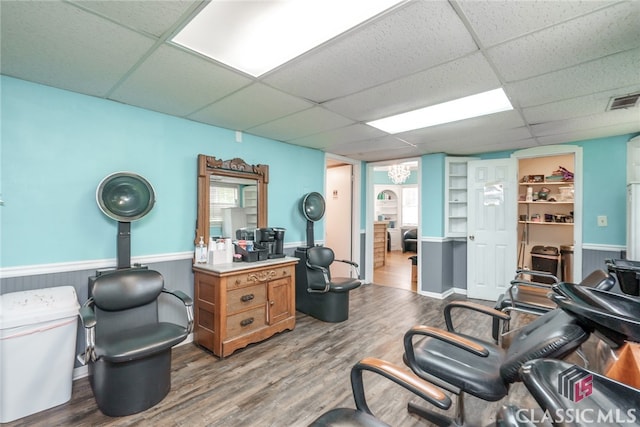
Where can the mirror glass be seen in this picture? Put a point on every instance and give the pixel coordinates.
(233, 204)
(231, 195)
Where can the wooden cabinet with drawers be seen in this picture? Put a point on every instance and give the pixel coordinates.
(379, 243)
(243, 303)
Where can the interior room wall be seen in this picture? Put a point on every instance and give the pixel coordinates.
(58, 145)
(604, 166)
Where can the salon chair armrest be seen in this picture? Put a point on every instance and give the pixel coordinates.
(445, 336)
(521, 271)
(88, 320)
(188, 303)
(353, 265)
(398, 375)
(325, 274)
(496, 314)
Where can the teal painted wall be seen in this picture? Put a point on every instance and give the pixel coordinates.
(432, 197)
(605, 189)
(57, 146)
(604, 183)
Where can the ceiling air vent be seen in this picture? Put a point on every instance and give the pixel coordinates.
(627, 101)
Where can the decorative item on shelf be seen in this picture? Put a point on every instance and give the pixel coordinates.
(398, 174)
(543, 193)
(533, 178)
(560, 175)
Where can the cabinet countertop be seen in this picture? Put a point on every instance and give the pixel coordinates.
(234, 267)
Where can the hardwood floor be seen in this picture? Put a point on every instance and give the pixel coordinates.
(396, 272)
(291, 378)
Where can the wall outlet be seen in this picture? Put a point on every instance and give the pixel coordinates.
(602, 221)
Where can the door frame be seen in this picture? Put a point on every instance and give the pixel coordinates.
(554, 150)
(370, 210)
(356, 179)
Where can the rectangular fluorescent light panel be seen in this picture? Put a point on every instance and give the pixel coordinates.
(258, 36)
(493, 101)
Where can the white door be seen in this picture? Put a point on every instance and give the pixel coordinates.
(339, 201)
(491, 227)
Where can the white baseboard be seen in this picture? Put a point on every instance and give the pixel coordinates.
(444, 294)
(83, 371)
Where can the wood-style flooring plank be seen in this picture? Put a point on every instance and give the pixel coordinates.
(289, 379)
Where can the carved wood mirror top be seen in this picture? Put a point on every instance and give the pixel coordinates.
(237, 174)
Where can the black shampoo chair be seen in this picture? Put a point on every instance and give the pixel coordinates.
(556, 386)
(463, 364)
(326, 298)
(362, 415)
(127, 348)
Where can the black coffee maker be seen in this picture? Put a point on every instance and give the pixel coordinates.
(271, 238)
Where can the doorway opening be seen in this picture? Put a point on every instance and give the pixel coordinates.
(393, 206)
(341, 212)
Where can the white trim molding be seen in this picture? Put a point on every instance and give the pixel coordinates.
(444, 294)
(63, 267)
(600, 247)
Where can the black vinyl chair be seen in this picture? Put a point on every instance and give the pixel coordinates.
(326, 298)
(530, 297)
(562, 390)
(127, 348)
(410, 240)
(464, 364)
(613, 317)
(362, 416)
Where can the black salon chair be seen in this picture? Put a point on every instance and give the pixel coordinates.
(326, 298)
(410, 240)
(532, 298)
(613, 317)
(363, 416)
(562, 389)
(127, 348)
(463, 364)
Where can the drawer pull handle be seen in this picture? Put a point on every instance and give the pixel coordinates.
(237, 281)
(246, 322)
(248, 297)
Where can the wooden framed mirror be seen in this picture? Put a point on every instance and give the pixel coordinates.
(219, 181)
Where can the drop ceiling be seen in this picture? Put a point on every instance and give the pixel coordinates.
(559, 62)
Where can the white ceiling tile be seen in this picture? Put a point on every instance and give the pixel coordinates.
(49, 43)
(586, 134)
(249, 107)
(455, 79)
(575, 107)
(627, 116)
(303, 123)
(160, 84)
(355, 132)
(495, 21)
(463, 128)
(611, 30)
(615, 71)
(150, 16)
(471, 142)
(419, 35)
(384, 143)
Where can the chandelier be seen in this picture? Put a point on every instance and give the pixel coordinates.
(399, 173)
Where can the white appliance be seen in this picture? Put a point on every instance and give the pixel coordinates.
(633, 221)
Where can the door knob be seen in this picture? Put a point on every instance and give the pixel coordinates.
(472, 237)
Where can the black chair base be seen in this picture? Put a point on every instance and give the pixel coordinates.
(332, 307)
(128, 388)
